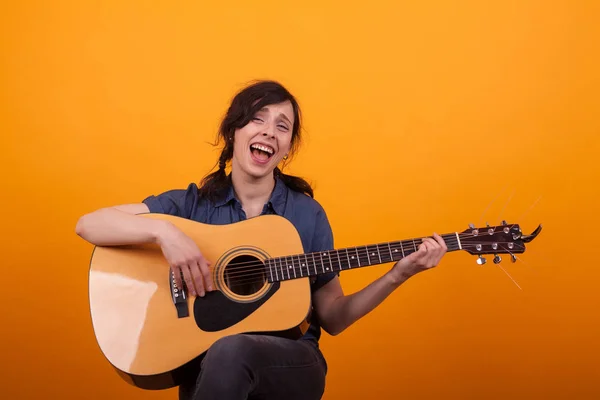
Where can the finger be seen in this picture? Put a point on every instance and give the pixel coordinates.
(441, 241)
(438, 250)
(433, 249)
(418, 255)
(413, 257)
(206, 275)
(188, 279)
(197, 276)
(431, 244)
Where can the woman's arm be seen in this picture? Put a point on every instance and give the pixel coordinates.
(119, 225)
(336, 312)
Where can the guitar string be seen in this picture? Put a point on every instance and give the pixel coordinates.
(506, 204)
(506, 272)
(261, 277)
(263, 270)
(452, 240)
(403, 246)
(492, 202)
(309, 264)
(362, 250)
(359, 250)
(530, 208)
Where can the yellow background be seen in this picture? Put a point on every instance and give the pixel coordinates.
(420, 117)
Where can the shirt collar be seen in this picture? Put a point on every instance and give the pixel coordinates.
(277, 200)
(279, 196)
(229, 197)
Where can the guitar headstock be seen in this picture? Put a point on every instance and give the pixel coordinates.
(501, 239)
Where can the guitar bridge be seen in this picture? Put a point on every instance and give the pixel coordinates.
(179, 297)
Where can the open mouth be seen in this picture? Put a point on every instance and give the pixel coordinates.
(261, 152)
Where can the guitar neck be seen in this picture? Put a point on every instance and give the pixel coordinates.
(312, 264)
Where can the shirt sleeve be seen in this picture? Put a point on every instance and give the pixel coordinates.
(177, 202)
(322, 241)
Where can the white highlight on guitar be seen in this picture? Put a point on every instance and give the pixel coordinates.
(122, 330)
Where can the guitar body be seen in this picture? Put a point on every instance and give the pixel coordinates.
(152, 343)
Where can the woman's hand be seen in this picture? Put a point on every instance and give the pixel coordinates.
(184, 257)
(429, 254)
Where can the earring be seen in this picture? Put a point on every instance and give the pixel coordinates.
(285, 157)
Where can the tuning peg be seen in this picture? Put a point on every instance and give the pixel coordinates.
(513, 258)
(472, 226)
(481, 260)
(504, 223)
(497, 259)
(487, 223)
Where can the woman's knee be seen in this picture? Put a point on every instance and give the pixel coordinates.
(230, 346)
(230, 352)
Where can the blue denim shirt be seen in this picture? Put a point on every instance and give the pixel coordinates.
(304, 212)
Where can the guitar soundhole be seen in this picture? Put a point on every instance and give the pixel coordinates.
(245, 275)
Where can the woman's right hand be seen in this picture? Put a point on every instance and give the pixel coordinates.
(184, 257)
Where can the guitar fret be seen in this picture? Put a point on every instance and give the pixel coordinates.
(281, 267)
(305, 265)
(357, 256)
(287, 269)
(414, 244)
(276, 277)
(389, 253)
(322, 265)
(270, 270)
(348, 257)
(328, 258)
(300, 265)
(382, 258)
(339, 261)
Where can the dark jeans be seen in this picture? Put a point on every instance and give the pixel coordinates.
(241, 367)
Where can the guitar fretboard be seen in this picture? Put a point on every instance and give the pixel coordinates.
(311, 264)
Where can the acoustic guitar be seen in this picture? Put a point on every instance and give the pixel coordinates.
(154, 334)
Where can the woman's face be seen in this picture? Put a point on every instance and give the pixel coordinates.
(260, 146)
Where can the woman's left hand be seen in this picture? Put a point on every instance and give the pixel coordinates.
(429, 254)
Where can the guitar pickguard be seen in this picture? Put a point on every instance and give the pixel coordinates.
(215, 311)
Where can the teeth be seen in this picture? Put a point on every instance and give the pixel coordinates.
(263, 148)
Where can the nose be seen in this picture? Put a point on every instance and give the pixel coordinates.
(269, 132)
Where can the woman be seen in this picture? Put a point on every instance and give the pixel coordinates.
(260, 131)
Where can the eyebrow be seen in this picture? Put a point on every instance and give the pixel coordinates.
(265, 109)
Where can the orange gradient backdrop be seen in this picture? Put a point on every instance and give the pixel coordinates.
(419, 118)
